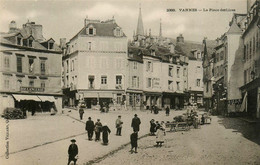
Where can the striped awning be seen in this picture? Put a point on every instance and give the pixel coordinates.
(26, 97)
(47, 98)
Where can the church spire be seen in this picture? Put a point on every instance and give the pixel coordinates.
(140, 27)
(160, 32)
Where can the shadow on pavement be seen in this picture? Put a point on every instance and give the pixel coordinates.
(251, 131)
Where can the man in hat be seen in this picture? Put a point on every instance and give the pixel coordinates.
(98, 129)
(90, 128)
(118, 126)
(73, 152)
(136, 123)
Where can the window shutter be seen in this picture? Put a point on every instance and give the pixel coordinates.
(137, 82)
(87, 31)
(94, 31)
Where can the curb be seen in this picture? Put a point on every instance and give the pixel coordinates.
(99, 159)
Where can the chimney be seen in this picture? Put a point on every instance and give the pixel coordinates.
(33, 29)
(86, 21)
(62, 43)
(12, 26)
(180, 39)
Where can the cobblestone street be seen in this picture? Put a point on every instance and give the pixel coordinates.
(216, 143)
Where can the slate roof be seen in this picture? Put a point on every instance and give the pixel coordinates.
(105, 29)
(7, 38)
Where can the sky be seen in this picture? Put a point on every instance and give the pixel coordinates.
(64, 18)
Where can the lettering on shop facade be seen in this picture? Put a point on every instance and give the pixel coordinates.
(32, 89)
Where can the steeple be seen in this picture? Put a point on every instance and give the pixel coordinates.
(140, 27)
(160, 32)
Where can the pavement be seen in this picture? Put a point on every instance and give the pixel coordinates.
(44, 139)
(222, 142)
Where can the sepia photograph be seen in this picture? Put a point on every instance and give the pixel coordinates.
(130, 82)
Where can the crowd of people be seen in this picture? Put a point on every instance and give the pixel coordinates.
(157, 129)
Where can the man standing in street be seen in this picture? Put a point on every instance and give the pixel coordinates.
(167, 111)
(118, 126)
(98, 129)
(81, 112)
(136, 123)
(73, 152)
(90, 128)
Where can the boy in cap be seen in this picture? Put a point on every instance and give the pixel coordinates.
(73, 152)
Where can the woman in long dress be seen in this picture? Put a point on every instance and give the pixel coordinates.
(105, 132)
(160, 136)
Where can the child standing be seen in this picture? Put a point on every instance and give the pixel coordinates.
(160, 137)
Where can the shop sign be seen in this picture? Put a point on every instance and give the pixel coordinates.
(32, 89)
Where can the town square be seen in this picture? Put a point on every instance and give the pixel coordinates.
(129, 82)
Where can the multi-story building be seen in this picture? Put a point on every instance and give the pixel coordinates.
(195, 77)
(95, 64)
(250, 88)
(134, 91)
(164, 69)
(227, 75)
(30, 69)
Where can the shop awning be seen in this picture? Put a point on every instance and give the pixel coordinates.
(98, 95)
(26, 97)
(47, 98)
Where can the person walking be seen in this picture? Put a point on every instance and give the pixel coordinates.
(73, 152)
(118, 126)
(152, 127)
(105, 132)
(81, 112)
(133, 139)
(136, 123)
(163, 125)
(98, 129)
(167, 111)
(90, 128)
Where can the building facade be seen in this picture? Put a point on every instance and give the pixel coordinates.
(95, 64)
(30, 70)
(250, 89)
(195, 78)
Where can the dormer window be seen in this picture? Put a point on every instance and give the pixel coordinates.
(51, 45)
(30, 43)
(118, 32)
(24, 42)
(153, 52)
(91, 31)
(19, 40)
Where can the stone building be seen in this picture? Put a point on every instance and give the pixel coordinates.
(95, 64)
(250, 88)
(227, 78)
(164, 69)
(195, 77)
(30, 69)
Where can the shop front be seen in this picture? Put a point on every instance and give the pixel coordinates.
(94, 99)
(36, 103)
(152, 99)
(251, 95)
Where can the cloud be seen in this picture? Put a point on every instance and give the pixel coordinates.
(106, 10)
(5, 18)
(32, 14)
